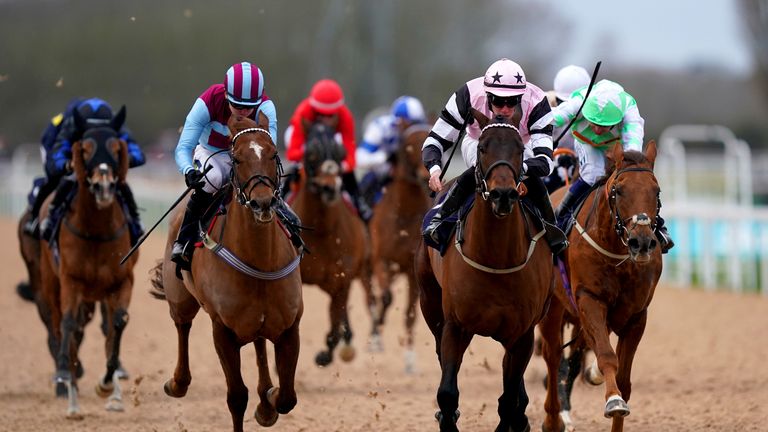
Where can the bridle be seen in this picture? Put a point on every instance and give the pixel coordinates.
(481, 175)
(243, 190)
(640, 219)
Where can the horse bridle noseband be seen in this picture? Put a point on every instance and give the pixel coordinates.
(257, 179)
(481, 175)
(635, 220)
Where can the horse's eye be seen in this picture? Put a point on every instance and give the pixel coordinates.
(481, 149)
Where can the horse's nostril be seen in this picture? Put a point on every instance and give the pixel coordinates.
(633, 244)
(494, 195)
(653, 244)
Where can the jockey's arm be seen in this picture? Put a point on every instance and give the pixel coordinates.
(540, 163)
(370, 152)
(347, 130)
(268, 108)
(197, 119)
(135, 154)
(58, 159)
(632, 129)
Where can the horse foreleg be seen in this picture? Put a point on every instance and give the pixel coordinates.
(629, 339)
(347, 352)
(65, 368)
(265, 414)
(375, 307)
(106, 322)
(454, 342)
(338, 312)
(593, 315)
(410, 320)
(430, 295)
(115, 308)
(514, 399)
(286, 357)
(228, 350)
(182, 313)
(552, 352)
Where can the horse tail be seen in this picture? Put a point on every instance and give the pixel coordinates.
(158, 290)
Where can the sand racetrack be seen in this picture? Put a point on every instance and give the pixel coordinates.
(700, 367)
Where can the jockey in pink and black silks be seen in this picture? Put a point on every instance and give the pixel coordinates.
(503, 91)
(205, 134)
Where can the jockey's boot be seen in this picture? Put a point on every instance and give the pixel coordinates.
(555, 237)
(459, 192)
(291, 222)
(665, 240)
(135, 225)
(349, 181)
(290, 177)
(57, 207)
(570, 201)
(189, 232)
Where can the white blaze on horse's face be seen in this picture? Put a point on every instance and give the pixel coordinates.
(256, 147)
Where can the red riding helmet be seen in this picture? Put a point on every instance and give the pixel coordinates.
(326, 97)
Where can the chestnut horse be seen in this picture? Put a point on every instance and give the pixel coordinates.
(613, 266)
(93, 236)
(246, 278)
(395, 233)
(336, 237)
(496, 283)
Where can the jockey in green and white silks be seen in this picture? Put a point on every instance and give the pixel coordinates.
(609, 115)
(608, 106)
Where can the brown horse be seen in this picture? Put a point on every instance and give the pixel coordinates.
(613, 264)
(246, 278)
(336, 238)
(395, 233)
(93, 236)
(497, 283)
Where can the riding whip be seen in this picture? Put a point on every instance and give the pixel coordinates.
(589, 89)
(149, 231)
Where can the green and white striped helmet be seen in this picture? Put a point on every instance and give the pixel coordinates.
(607, 103)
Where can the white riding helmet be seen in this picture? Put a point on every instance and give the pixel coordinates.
(505, 78)
(570, 79)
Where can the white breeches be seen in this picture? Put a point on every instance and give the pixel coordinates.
(219, 174)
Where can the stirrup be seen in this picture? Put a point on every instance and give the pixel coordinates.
(181, 254)
(665, 241)
(431, 230)
(32, 228)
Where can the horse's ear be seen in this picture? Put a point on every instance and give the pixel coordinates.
(615, 155)
(482, 120)
(263, 121)
(119, 119)
(650, 151)
(78, 165)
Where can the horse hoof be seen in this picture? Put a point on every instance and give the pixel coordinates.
(61, 390)
(272, 395)
(177, 393)
(323, 358)
(114, 405)
(75, 415)
(347, 353)
(439, 416)
(544, 428)
(375, 345)
(266, 416)
(24, 290)
(79, 371)
(122, 374)
(104, 390)
(592, 375)
(616, 407)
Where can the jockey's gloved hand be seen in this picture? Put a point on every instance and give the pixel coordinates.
(194, 179)
(565, 161)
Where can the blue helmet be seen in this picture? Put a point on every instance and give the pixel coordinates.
(408, 108)
(94, 112)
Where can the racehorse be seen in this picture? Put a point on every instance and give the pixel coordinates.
(86, 266)
(613, 264)
(246, 278)
(395, 232)
(336, 237)
(496, 283)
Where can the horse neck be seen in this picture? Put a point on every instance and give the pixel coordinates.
(320, 216)
(254, 243)
(496, 242)
(84, 213)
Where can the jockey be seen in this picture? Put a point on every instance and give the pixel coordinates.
(205, 140)
(610, 114)
(567, 80)
(381, 141)
(326, 104)
(503, 91)
(56, 150)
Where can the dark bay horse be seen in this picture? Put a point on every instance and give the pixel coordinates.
(92, 238)
(496, 284)
(613, 264)
(336, 238)
(395, 233)
(246, 278)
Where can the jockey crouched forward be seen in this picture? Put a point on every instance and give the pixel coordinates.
(325, 104)
(56, 148)
(381, 141)
(204, 141)
(503, 91)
